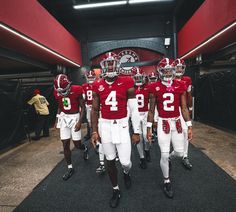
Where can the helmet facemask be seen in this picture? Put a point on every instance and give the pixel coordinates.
(90, 77)
(180, 70)
(139, 79)
(64, 91)
(167, 74)
(110, 67)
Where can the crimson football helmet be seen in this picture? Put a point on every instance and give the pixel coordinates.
(180, 66)
(62, 84)
(139, 77)
(90, 76)
(110, 65)
(166, 70)
(152, 76)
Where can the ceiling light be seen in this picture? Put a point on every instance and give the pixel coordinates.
(147, 1)
(210, 39)
(37, 44)
(101, 4)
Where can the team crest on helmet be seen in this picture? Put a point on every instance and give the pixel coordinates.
(128, 56)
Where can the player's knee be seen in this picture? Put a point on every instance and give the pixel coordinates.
(125, 161)
(165, 156)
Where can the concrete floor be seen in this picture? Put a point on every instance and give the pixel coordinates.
(23, 167)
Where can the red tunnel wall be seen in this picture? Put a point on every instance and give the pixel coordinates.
(32, 20)
(209, 19)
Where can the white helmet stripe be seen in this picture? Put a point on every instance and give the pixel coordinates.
(167, 61)
(179, 62)
(58, 80)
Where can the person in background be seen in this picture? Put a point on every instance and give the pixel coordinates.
(41, 107)
(180, 66)
(142, 96)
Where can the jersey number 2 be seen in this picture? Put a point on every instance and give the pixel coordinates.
(169, 100)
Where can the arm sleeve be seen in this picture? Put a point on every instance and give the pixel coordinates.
(32, 101)
(135, 117)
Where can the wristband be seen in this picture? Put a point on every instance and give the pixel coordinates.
(149, 124)
(190, 108)
(189, 123)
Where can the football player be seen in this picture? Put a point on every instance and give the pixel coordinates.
(88, 96)
(180, 66)
(153, 77)
(71, 108)
(111, 96)
(142, 96)
(169, 95)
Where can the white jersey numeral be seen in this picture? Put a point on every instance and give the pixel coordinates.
(89, 95)
(140, 99)
(66, 103)
(169, 100)
(111, 100)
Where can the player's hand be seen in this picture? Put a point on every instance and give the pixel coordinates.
(135, 138)
(149, 136)
(95, 139)
(77, 126)
(190, 133)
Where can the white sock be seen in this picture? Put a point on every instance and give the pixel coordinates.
(167, 180)
(164, 163)
(70, 166)
(116, 187)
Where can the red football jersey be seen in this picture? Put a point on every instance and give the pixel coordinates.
(187, 82)
(168, 98)
(88, 92)
(113, 97)
(70, 103)
(142, 96)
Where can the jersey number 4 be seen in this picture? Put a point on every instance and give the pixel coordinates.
(111, 100)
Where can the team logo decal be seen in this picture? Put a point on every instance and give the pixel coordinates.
(157, 88)
(128, 56)
(101, 88)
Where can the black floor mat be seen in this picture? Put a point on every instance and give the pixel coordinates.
(205, 188)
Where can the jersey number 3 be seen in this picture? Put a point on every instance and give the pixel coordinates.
(111, 100)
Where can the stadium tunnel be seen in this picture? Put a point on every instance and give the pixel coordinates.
(40, 39)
